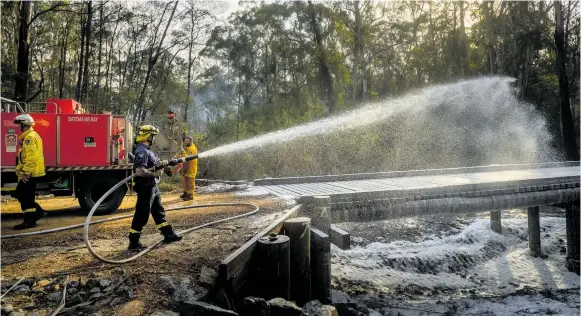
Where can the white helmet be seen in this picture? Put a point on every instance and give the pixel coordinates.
(24, 119)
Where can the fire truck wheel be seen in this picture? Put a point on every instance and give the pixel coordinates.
(91, 191)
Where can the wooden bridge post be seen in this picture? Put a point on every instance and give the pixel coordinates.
(572, 226)
(320, 213)
(320, 266)
(274, 266)
(534, 231)
(299, 232)
(495, 221)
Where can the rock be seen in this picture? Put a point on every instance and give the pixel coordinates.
(82, 294)
(21, 288)
(349, 309)
(29, 282)
(166, 284)
(197, 308)
(7, 309)
(340, 297)
(54, 297)
(281, 307)
(253, 306)
(165, 313)
(95, 296)
(96, 314)
(73, 291)
(374, 313)
(92, 283)
(32, 314)
(94, 290)
(208, 276)
(74, 299)
(43, 283)
(104, 283)
(18, 313)
(315, 308)
(132, 308)
(185, 290)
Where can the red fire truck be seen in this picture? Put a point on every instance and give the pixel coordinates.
(85, 154)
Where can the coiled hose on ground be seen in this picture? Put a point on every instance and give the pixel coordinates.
(88, 222)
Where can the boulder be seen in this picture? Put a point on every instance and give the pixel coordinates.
(315, 308)
(208, 276)
(281, 307)
(253, 306)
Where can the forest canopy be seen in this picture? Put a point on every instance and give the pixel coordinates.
(236, 70)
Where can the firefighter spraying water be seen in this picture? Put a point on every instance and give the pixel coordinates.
(100, 179)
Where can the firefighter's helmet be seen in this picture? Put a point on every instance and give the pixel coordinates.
(24, 119)
(145, 131)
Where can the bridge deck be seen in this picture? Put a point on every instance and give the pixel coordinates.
(453, 184)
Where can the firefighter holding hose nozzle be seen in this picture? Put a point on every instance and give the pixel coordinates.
(29, 167)
(148, 196)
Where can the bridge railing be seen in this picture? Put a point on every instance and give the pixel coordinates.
(411, 173)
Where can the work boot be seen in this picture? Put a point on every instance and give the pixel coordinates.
(183, 195)
(169, 235)
(29, 222)
(40, 213)
(134, 243)
(188, 197)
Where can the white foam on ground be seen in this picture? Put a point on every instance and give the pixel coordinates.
(509, 268)
(254, 191)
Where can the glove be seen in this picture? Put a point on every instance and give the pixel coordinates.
(163, 163)
(167, 171)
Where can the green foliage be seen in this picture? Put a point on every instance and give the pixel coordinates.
(267, 67)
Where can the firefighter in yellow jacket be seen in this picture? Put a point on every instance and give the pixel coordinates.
(29, 167)
(189, 170)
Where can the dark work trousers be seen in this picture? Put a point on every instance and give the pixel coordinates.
(25, 194)
(148, 201)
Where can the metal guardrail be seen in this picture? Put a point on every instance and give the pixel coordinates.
(409, 173)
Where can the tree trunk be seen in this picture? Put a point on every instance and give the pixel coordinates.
(567, 127)
(324, 73)
(357, 50)
(489, 14)
(153, 57)
(21, 80)
(84, 92)
(81, 60)
(463, 41)
(63, 60)
(99, 55)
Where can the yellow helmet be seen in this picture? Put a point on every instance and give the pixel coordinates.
(145, 131)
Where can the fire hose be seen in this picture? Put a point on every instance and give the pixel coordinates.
(88, 222)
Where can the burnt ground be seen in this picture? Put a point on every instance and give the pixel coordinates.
(53, 256)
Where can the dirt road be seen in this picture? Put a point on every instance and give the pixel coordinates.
(46, 256)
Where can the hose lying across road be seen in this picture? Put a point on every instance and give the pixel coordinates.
(115, 187)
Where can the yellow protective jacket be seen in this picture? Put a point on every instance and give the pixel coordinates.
(190, 167)
(30, 159)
